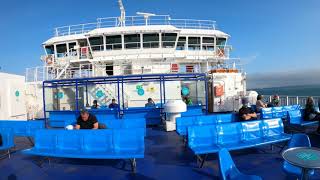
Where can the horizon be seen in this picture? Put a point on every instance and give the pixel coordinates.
(270, 37)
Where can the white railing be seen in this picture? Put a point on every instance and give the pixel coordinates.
(135, 21)
(292, 100)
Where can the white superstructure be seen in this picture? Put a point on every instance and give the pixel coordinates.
(12, 97)
(142, 44)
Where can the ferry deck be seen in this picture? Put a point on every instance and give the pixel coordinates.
(166, 157)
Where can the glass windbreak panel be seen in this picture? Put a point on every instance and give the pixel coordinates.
(102, 93)
(60, 98)
(182, 43)
(132, 41)
(113, 42)
(72, 50)
(168, 40)
(194, 43)
(151, 41)
(208, 43)
(193, 93)
(49, 49)
(96, 43)
(140, 92)
(61, 50)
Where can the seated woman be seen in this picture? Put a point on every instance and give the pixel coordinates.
(310, 114)
(260, 104)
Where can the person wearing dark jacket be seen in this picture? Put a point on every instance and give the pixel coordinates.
(310, 113)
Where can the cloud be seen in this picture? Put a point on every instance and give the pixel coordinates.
(281, 79)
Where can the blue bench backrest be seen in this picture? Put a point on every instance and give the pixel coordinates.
(182, 124)
(252, 130)
(7, 138)
(229, 133)
(296, 107)
(277, 112)
(272, 127)
(82, 141)
(225, 118)
(128, 140)
(23, 128)
(134, 123)
(266, 113)
(192, 112)
(62, 118)
(202, 135)
(204, 120)
(295, 117)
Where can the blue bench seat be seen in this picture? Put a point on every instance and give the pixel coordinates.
(7, 138)
(23, 128)
(183, 123)
(234, 136)
(295, 118)
(89, 144)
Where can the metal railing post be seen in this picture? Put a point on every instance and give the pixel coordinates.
(287, 100)
(297, 100)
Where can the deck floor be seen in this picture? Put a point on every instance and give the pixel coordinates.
(165, 158)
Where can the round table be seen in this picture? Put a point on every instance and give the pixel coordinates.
(304, 157)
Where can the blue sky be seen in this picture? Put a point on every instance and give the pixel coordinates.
(269, 36)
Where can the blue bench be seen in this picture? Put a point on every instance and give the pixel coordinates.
(7, 140)
(233, 136)
(90, 144)
(277, 112)
(152, 115)
(295, 118)
(60, 119)
(193, 112)
(266, 113)
(23, 128)
(183, 123)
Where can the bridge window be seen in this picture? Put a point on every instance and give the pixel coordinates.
(168, 40)
(49, 49)
(182, 43)
(194, 43)
(221, 41)
(208, 43)
(61, 50)
(96, 43)
(132, 41)
(151, 41)
(72, 50)
(113, 42)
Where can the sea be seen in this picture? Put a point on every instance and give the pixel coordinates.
(300, 90)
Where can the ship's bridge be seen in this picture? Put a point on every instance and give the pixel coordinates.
(139, 44)
(155, 37)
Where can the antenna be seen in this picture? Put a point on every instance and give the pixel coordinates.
(145, 16)
(122, 18)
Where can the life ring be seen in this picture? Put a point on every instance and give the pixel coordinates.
(48, 59)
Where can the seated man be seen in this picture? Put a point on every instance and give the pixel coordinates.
(86, 121)
(246, 113)
(150, 103)
(113, 104)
